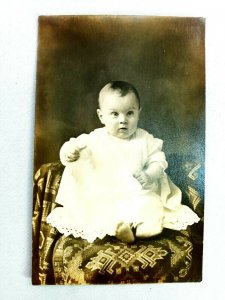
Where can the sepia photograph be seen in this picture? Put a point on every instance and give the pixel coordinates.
(119, 150)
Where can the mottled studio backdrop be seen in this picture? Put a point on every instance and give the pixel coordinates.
(162, 57)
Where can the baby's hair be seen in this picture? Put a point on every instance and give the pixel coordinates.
(122, 87)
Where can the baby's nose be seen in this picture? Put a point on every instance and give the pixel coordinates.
(123, 119)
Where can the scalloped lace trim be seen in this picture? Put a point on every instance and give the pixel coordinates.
(173, 220)
(181, 219)
(89, 234)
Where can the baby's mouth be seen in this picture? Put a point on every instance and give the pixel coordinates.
(123, 129)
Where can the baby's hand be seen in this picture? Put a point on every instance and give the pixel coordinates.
(143, 178)
(155, 171)
(70, 153)
(73, 155)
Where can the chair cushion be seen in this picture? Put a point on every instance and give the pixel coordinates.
(165, 258)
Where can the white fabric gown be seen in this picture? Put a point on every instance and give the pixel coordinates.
(98, 191)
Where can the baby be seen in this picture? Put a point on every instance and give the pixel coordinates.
(114, 182)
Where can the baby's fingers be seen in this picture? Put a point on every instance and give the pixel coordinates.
(142, 181)
(73, 157)
(139, 178)
(81, 148)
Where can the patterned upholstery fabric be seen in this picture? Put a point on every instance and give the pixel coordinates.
(167, 258)
(170, 257)
(46, 184)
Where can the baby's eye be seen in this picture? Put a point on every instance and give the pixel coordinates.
(130, 113)
(114, 114)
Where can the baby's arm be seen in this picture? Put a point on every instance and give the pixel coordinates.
(155, 162)
(70, 150)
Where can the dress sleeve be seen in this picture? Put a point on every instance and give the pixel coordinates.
(154, 152)
(74, 143)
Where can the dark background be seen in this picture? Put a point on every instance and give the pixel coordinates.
(163, 57)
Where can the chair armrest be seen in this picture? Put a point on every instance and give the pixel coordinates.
(44, 237)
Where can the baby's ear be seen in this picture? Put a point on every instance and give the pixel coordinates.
(99, 113)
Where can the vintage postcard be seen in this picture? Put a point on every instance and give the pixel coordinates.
(119, 156)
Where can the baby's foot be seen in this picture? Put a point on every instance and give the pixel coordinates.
(124, 233)
(148, 229)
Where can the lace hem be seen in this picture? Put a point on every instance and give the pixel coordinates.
(180, 219)
(89, 234)
(176, 225)
(75, 225)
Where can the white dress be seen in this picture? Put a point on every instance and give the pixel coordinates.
(98, 191)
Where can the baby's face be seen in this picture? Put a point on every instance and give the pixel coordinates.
(119, 114)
